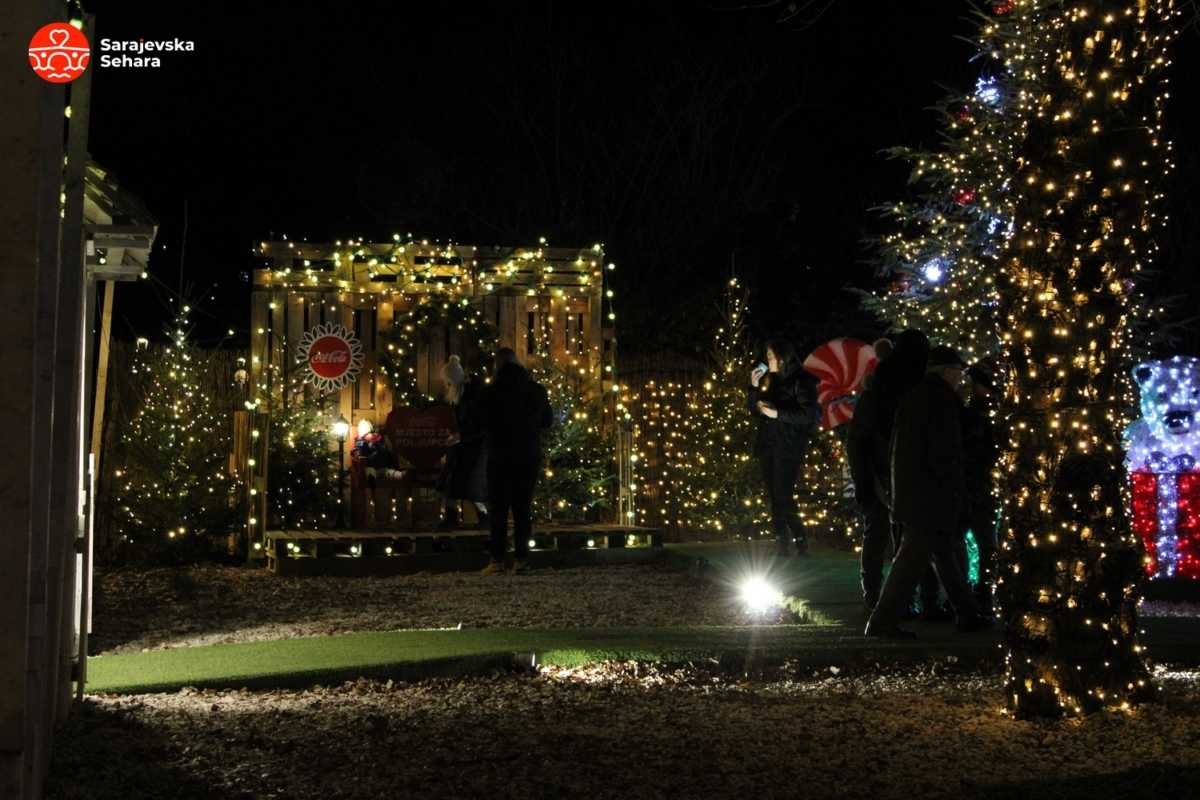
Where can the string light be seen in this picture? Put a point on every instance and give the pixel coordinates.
(694, 449)
(1086, 85)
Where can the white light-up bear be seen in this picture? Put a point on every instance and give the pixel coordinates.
(1162, 450)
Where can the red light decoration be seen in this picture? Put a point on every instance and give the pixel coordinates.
(1145, 515)
(1187, 527)
(964, 197)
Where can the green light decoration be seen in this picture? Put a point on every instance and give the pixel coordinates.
(972, 558)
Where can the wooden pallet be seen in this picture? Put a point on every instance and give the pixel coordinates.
(371, 552)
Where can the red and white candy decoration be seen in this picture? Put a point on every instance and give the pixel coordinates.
(840, 366)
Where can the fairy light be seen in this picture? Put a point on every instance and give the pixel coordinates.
(172, 486)
(431, 289)
(1083, 230)
(942, 257)
(694, 445)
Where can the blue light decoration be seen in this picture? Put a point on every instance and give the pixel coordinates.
(935, 269)
(1162, 451)
(987, 91)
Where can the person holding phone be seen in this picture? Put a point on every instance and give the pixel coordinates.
(783, 400)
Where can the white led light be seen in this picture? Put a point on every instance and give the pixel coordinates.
(759, 595)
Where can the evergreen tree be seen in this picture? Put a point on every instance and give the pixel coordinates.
(579, 474)
(173, 489)
(707, 478)
(1087, 199)
(940, 261)
(301, 464)
(716, 476)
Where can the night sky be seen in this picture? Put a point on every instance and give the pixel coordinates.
(690, 138)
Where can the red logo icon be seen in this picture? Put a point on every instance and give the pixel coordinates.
(329, 356)
(333, 356)
(59, 52)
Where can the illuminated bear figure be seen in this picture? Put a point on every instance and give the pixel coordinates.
(1162, 449)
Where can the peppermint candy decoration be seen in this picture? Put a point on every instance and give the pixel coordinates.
(840, 366)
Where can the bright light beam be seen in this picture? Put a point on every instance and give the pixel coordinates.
(759, 595)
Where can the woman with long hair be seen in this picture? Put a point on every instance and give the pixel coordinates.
(464, 476)
(783, 400)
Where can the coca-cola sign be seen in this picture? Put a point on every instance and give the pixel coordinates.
(332, 357)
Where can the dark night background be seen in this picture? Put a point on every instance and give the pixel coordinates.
(687, 137)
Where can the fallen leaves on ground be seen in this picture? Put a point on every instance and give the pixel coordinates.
(138, 609)
(627, 730)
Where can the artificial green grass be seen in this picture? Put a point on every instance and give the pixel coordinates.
(415, 654)
(822, 590)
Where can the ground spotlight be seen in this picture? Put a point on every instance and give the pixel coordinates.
(759, 595)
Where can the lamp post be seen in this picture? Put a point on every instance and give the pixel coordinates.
(340, 430)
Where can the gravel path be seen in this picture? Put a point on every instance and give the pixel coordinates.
(626, 731)
(158, 608)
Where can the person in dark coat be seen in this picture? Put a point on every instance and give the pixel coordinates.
(928, 496)
(868, 449)
(516, 409)
(981, 452)
(464, 476)
(783, 399)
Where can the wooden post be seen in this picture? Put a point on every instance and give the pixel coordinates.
(31, 130)
(110, 289)
(67, 435)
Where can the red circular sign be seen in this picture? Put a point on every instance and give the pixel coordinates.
(59, 52)
(329, 357)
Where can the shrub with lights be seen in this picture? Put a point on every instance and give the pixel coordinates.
(301, 469)
(579, 475)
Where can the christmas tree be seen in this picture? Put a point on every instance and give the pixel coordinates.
(173, 490)
(940, 261)
(579, 473)
(301, 465)
(716, 476)
(1087, 200)
(697, 444)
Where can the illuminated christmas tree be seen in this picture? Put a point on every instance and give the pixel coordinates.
(173, 489)
(717, 478)
(940, 261)
(1087, 200)
(696, 445)
(579, 475)
(301, 466)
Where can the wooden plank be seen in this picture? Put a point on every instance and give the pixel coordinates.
(110, 289)
(507, 328)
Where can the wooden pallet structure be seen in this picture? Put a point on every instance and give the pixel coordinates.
(374, 552)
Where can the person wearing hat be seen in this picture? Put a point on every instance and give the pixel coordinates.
(928, 497)
(980, 451)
